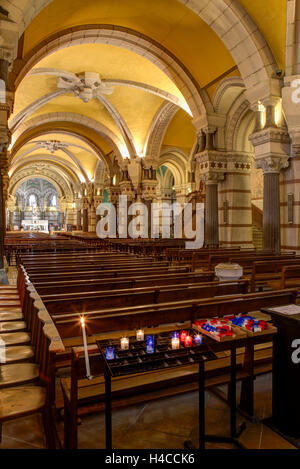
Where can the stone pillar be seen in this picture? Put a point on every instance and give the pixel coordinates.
(272, 152)
(10, 222)
(211, 214)
(78, 223)
(271, 212)
(92, 225)
(271, 167)
(85, 220)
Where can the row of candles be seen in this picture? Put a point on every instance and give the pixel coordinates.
(177, 338)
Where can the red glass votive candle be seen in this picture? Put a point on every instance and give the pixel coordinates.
(183, 335)
(188, 341)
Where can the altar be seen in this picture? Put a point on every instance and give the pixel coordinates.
(35, 225)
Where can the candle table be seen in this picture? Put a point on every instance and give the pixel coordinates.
(136, 360)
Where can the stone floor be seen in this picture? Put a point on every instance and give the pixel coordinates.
(161, 424)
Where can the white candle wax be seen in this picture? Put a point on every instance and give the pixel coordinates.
(124, 343)
(140, 335)
(175, 343)
(86, 354)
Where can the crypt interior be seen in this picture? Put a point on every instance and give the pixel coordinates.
(162, 101)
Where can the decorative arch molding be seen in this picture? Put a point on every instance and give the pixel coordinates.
(225, 84)
(64, 191)
(292, 58)
(77, 167)
(242, 37)
(158, 129)
(176, 160)
(55, 161)
(230, 21)
(61, 117)
(239, 108)
(130, 39)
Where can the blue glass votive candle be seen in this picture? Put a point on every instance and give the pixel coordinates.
(198, 339)
(175, 335)
(110, 353)
(150, 344)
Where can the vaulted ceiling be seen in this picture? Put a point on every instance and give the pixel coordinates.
(99, 98)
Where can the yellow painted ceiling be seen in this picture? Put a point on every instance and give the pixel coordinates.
(167, 21)
(270, 17)
(181, 132)
(83, 155)
(138, 109)
(31, 89)
(93, 109)
(110, 62)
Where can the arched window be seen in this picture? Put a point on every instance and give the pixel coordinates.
(32, 200)
(53, 201)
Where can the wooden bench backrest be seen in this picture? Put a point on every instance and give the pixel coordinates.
(60, 304)
(125, 319)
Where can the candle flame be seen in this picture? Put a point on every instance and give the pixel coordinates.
(82, 320)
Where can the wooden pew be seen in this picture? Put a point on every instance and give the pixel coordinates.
(128, 318)
(88, 301)
(101, 274)
(45, 288)
(246, 260)
(264, 271)
(290, 277)
(79, 391)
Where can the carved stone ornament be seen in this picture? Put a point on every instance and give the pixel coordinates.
(272, 164)
(85, 86)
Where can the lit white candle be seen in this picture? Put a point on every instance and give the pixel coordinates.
(124, 343)
(86, 354)
(175, 343)
(140, 335)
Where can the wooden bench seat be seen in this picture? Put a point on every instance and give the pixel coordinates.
(20, 402)
(10, 316)
(18, 353)
(16, 338)
(12, 326)
(21, 373)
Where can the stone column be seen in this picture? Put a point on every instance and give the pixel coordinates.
(78, 223)
(271, 167)
(271, 212)
(85, 220)
(272, 152)
(211, 214)
(92, 225)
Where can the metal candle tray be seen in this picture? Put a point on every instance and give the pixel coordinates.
(136, 360)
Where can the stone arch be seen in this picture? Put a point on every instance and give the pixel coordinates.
(62, 185)
(243, 39)
(158, 128)
(230, 21)
(55, 161)
(196, 98)
(61, 117)
(177, 161)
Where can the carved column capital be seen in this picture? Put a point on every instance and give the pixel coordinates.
(272, 164)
